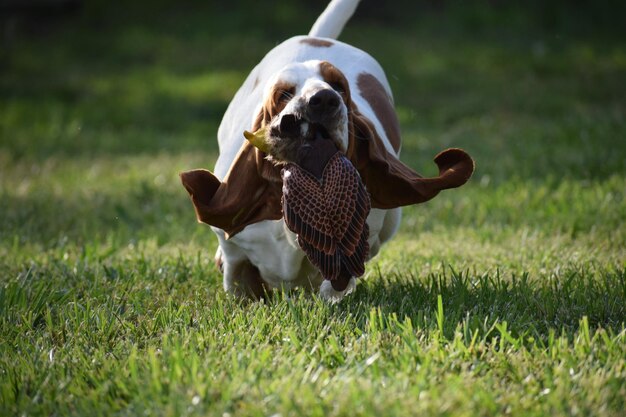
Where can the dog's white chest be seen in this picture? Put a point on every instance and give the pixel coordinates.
(279, 260)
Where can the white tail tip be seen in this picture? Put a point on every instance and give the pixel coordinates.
(332, 20)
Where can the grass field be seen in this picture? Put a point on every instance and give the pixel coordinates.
(507, 296)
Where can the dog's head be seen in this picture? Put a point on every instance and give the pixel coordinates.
(304, 102)
(309, 100)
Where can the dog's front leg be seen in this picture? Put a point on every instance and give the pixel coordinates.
(242, 279)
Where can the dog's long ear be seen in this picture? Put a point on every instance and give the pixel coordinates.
(250, 193)
(390, 182)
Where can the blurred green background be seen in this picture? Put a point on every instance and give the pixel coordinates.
(156, 76)
(101, 104)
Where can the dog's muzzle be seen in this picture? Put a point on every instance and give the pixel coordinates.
(318, 115)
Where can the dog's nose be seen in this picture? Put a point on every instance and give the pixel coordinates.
(324, 103)
(289, 126)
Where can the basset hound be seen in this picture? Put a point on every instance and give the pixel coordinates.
(307, 82)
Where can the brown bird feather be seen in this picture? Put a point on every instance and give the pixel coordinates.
(328, 212)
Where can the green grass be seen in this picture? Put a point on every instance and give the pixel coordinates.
(507, 296)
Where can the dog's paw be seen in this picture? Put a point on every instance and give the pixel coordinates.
(328, 293)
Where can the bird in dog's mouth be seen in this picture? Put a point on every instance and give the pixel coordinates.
(324, 201)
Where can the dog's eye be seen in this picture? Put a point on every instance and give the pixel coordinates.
(337, 87)
(285, 95)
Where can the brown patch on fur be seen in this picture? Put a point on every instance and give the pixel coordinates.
(374, 93)
(318, 43)
(333, 76)
(276, 101)
(247, 195)
(278, 98)
(256, 83)
(390, 182)
(251, 191)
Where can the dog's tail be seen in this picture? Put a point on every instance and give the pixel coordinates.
(333, 19)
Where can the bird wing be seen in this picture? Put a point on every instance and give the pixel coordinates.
(329, 216)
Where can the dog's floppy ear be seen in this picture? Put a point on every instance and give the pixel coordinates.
(250, 193)
(391, 183)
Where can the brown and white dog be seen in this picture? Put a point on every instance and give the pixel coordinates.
(342, 91)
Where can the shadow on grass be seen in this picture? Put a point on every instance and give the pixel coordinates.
(534, 305)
